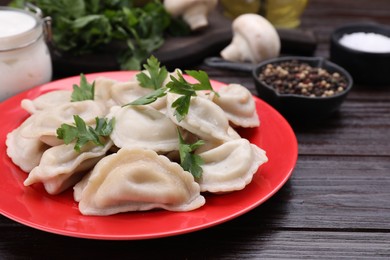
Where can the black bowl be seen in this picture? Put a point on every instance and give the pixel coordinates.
(366, 68)
(297, 106)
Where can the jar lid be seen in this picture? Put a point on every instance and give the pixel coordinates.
(18, 28)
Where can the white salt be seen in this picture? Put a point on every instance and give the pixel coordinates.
(368, 42)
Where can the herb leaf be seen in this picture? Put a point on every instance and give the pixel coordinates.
(183, 87)
(85, 91)
(149, 98)
(67, 133)
(83, 133)
(202, 77)
(177, 85)
(188, 160)
(182, 106)
(157, 74)
(104, 128)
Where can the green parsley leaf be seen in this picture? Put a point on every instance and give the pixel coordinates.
(177, 85)
(156, 77)
(188, 160)
(67, 133)
(182, 106)
(202, 77)
(85, 91)
(104, 128)
(83, 133)
(183, 87)
(149, 98)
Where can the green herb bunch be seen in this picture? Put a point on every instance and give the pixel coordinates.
(87, 26)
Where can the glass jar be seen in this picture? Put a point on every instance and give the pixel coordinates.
(234, 8)
(281, 13)
(285, 13)
(25, 59)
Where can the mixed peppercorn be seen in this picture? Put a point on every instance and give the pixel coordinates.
(294, 77)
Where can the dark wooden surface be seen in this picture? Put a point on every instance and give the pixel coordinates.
(336, 205)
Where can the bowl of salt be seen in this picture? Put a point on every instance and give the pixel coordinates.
(363, 49)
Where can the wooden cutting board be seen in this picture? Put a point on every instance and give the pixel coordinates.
(181, 52)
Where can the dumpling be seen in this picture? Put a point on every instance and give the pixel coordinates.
(79, 187)
(230, 166)
(210, 144)
(61, 166)
(206, 94)
(138, 180)
(24, 152)
(143, 127)
(238, 104)
(103, 89)
(47, 100)
(233, 133)
(44, 124)
(126, 92)
(204, 119)
(175, 74)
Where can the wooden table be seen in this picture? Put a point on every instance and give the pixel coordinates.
(336, 204)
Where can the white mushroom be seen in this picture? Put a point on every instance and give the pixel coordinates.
(193, 12)
(254, 40)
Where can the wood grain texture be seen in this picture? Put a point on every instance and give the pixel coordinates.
(227, 241)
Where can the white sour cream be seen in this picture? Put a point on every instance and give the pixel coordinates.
(25, 60)
(12, 23)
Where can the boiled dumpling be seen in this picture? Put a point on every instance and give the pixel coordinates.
(127, 92)
(44, 124)
(124, 93)
(47, 100)
(137, 180)
(24, 152)
(143, 127)
(204, 118)
(79, 187)
(206, 94)
(210, 144)
(103, 89)
(238, 104)
(230, 166)
(61, 166)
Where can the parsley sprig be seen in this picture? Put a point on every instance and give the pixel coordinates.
(86, 90)
(178, 85)
(187, 90)
(83, 133)
(157, 74)
(188, 160)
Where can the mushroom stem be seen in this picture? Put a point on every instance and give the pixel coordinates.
(237, 50)
(196, 17)
(231, 53)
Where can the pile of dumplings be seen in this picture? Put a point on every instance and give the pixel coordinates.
(136, 169)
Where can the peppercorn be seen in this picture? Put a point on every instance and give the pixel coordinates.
(293, 77)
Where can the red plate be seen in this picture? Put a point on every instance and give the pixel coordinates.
(59, 214)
